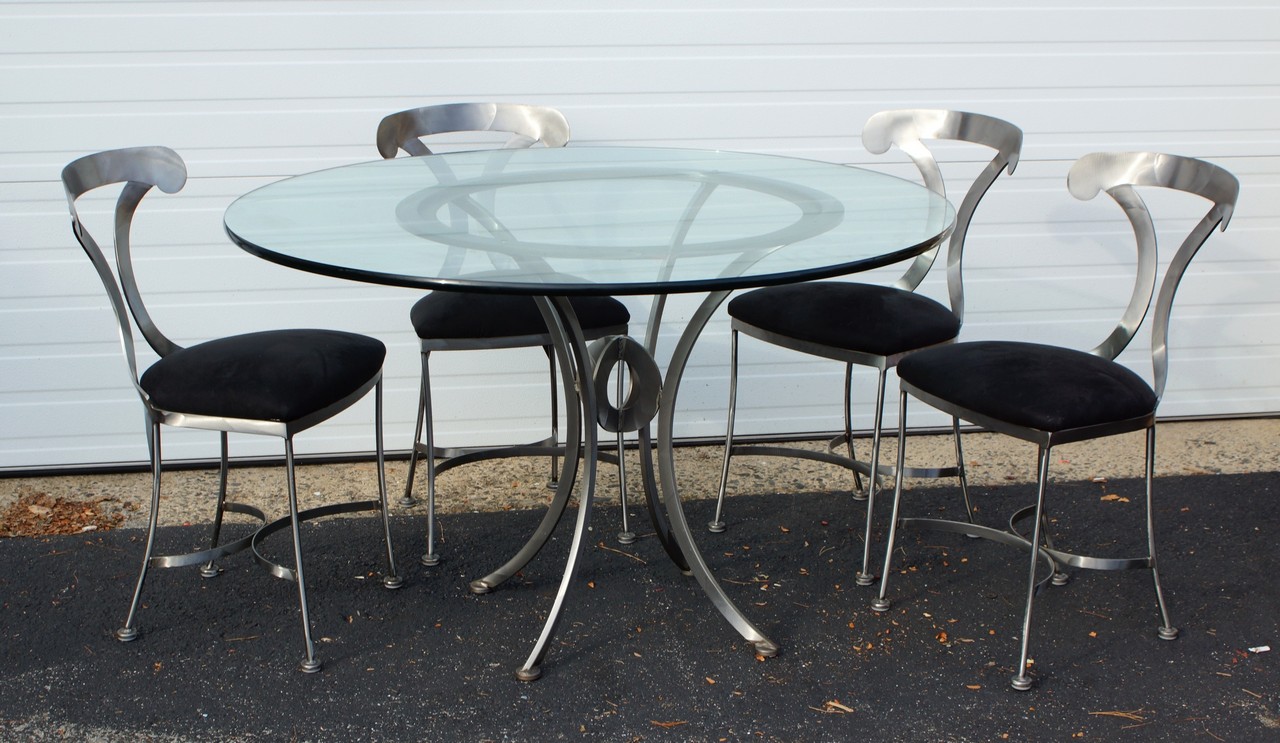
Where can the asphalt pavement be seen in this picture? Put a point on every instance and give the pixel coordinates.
(642, 654)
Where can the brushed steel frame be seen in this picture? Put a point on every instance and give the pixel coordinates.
(528, 125)
(1119, 175)
(908, 130)
(140, 169)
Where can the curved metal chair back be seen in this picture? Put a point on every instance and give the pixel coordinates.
(526, 124)
(908, 129)
(141, 169)
(1119, 175)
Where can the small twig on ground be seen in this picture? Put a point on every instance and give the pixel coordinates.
(607, 548)
(1122, 713)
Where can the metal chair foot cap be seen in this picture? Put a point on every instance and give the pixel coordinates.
(310, 665)
(865, 579)
(127, 634)
(430, 559)
(392, 581)
(715, 527)
(529, 674)
(210, 571)
(860, 496)
(880, 606)
(1021, 683)
(1060, 579)
(626, 537)
(1168, 633)
(407, 503)
(480, 588)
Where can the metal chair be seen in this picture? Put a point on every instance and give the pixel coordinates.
(274, 383)
(461, 321)
(871, 325)
(1049, 395)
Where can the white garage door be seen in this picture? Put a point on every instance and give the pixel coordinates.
(249, 92)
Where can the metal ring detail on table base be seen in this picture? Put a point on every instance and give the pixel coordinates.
(641, 403)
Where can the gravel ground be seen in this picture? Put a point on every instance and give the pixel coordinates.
(76, 502)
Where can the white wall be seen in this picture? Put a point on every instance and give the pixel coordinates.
(249, 92)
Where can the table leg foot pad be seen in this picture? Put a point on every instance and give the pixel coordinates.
(767, 649)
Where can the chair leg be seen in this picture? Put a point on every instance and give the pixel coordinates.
(1059, 577)
(209, 569)
(129, 633)
(865, 577)
(716, 525)
(309, 664)
(392, 579)
(425, 429)
(961, 475)
(408, 500)
(1166, 631)
(881, 603)
(1021, 681)
(859, 491)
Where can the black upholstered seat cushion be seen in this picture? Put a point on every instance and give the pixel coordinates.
(858, 317)
(443, 314)
(1028, 384)
(277, 375)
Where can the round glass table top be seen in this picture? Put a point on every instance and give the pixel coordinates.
(589, 220)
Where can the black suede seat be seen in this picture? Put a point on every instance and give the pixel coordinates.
(1045, 388)
(880, 320)
(444, 314)
(277, 375)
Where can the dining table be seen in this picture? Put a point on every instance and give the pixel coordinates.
(555, 223)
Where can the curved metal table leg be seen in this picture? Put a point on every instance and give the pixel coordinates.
(572, 457)
(671, 496)
(653, 499)
(572, 353)
(555, 511)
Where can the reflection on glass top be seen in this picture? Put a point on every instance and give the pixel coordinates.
(578, 220)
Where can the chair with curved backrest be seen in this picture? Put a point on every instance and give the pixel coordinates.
(461, 321)
(866, 324)
(1049, 395)
(275, 383)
